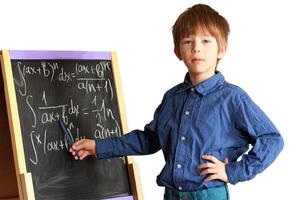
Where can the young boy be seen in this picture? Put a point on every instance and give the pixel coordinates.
(204, 124)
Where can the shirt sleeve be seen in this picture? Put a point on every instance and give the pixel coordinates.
(262, 134)
(136, 142)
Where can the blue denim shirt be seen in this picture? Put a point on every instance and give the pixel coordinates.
(213, 117)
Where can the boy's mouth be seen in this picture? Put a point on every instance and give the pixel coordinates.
(197, 60)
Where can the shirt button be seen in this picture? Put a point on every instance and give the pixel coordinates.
(187, 113)
(192, 89)
(182, 138)
(179, 188)
(179, 166)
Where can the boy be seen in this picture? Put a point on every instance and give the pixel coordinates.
(204, 124)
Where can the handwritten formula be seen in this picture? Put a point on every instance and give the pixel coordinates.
(80, 92)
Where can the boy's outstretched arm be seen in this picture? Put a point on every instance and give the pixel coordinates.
(136, 142)
(83, 148)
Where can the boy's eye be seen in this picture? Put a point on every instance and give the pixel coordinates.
(205, 41)
(187, 41)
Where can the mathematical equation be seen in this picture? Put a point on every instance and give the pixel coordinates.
(53, 72)
(72, 91)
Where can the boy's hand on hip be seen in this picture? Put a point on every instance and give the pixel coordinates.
(83, 148)
(215, 167)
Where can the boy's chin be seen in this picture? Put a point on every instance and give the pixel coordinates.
(200, 72)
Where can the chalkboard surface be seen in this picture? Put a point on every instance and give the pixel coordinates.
(81, 91)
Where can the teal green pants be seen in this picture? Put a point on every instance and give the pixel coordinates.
(215, 193)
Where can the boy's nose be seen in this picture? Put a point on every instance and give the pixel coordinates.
(196, 47)
(196, 50)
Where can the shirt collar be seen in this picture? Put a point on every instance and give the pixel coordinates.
(205, 86)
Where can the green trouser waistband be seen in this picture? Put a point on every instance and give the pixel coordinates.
(214, 193)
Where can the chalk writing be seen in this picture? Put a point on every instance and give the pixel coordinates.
(79, 92)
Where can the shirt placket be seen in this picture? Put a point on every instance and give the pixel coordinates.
(182, 141)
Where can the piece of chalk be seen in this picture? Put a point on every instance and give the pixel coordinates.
(68, 136)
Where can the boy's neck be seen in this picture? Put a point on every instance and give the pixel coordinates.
(199, 78)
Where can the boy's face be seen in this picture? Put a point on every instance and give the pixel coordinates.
(199, 53)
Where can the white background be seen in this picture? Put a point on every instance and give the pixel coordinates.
(263, 58)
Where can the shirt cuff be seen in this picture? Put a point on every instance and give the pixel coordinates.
(104, 148)
(233, 171)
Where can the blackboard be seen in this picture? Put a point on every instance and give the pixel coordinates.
(78, 87)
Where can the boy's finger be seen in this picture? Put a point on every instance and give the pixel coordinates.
(206, 165)
(78, 155)
(85, 154)
(75, 156)
(226, 161)
(210, 158)
(208, 171)
(210, 178)
(79, 144)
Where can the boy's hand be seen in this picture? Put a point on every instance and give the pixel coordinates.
(215, 167)
(84, 148)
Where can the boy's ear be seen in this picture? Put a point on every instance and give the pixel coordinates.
(221, 53)
(177, 53)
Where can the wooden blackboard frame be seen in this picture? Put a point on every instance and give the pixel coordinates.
(24, 179)
(8, 180)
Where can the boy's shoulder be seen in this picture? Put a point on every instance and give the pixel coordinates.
(233, 89)
(234, 92)
(174, 90)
